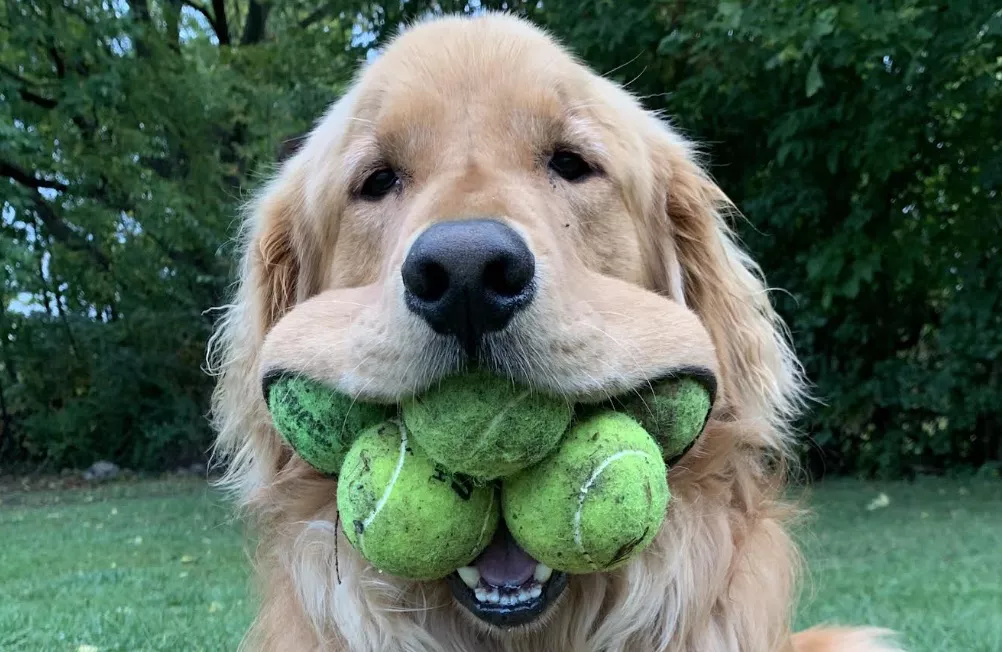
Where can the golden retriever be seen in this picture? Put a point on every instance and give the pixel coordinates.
(576, 246)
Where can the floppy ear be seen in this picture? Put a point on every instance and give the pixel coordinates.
(270, 279)
(281, 265)
(760, 377)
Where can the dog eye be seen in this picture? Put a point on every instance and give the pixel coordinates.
(379, 183)
(569, 165)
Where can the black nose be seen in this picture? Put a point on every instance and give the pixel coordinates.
(467, 278)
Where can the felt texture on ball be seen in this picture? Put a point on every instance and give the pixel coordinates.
(673, 411)
(596, 502)
(318, 422)
(485, 426)
(405, 514)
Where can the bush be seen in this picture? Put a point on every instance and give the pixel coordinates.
(861, 140)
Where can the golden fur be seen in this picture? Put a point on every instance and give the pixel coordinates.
(638, 274)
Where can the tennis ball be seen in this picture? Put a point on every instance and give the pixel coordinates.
(405, 514)
(673, 411)
(593, 504)
(319, 422)
(485, 426)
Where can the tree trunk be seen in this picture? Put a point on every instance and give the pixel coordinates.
(8, 362)
(140, 11)
(254, 27)
(221, 24)
(172, 16)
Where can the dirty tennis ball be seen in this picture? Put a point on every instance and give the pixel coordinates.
(596, 502)
(318, 422)
(484, 426)
(405, 514)
(673, 411)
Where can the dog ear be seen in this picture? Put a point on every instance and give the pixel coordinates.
(275, 260)
(717, 279)
(269, 281)
(281, 265)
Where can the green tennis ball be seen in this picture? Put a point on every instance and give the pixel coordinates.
(673, 411)
(318, 422)
(596, 502)
(485, 426)
(405, 514)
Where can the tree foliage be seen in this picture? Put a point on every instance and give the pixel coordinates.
(862, 141)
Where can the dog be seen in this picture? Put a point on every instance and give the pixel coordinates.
(569, 240)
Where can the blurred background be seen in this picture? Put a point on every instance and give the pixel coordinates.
(862, 140)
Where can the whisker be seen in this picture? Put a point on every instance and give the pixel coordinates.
(625, 349)
(623, 65)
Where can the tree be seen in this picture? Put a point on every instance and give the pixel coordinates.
(861, 141)
(128, 134)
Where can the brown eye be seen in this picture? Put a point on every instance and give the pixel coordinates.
(378, 184)
(569, 165)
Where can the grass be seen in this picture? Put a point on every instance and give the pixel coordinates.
(929, 564)
(158, 565)
(144, 566)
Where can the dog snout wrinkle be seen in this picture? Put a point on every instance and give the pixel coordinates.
(467, 278)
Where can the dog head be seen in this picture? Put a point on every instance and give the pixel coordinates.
(479, 197)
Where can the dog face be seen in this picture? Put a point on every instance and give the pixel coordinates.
(489, 211)
(479, 198)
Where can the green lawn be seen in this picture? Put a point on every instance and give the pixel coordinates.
(158, 565)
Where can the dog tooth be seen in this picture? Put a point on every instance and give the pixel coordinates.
(543, 572)
(470, 576)
(481, 594)
(493, 597)
(535, 591)
(523, 595)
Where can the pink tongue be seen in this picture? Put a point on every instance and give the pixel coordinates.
(504, 563)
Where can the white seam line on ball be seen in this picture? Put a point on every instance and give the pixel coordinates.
(586, 487)
(503, 411)
(483, 530)
(393, 480)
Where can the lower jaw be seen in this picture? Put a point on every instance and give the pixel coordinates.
(509, 616)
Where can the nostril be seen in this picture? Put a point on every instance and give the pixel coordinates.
(506, 277)
(468, 277)
(431, 282)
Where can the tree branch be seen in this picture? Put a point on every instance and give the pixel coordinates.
(59, 229)
(38, 100)
(16, 76)
(25, 178)
(58, 60)
(26, 95)
(202, 9)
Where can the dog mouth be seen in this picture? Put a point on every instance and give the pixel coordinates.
(504, 586)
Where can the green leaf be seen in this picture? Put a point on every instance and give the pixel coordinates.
(825, 23)
(814, 81)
